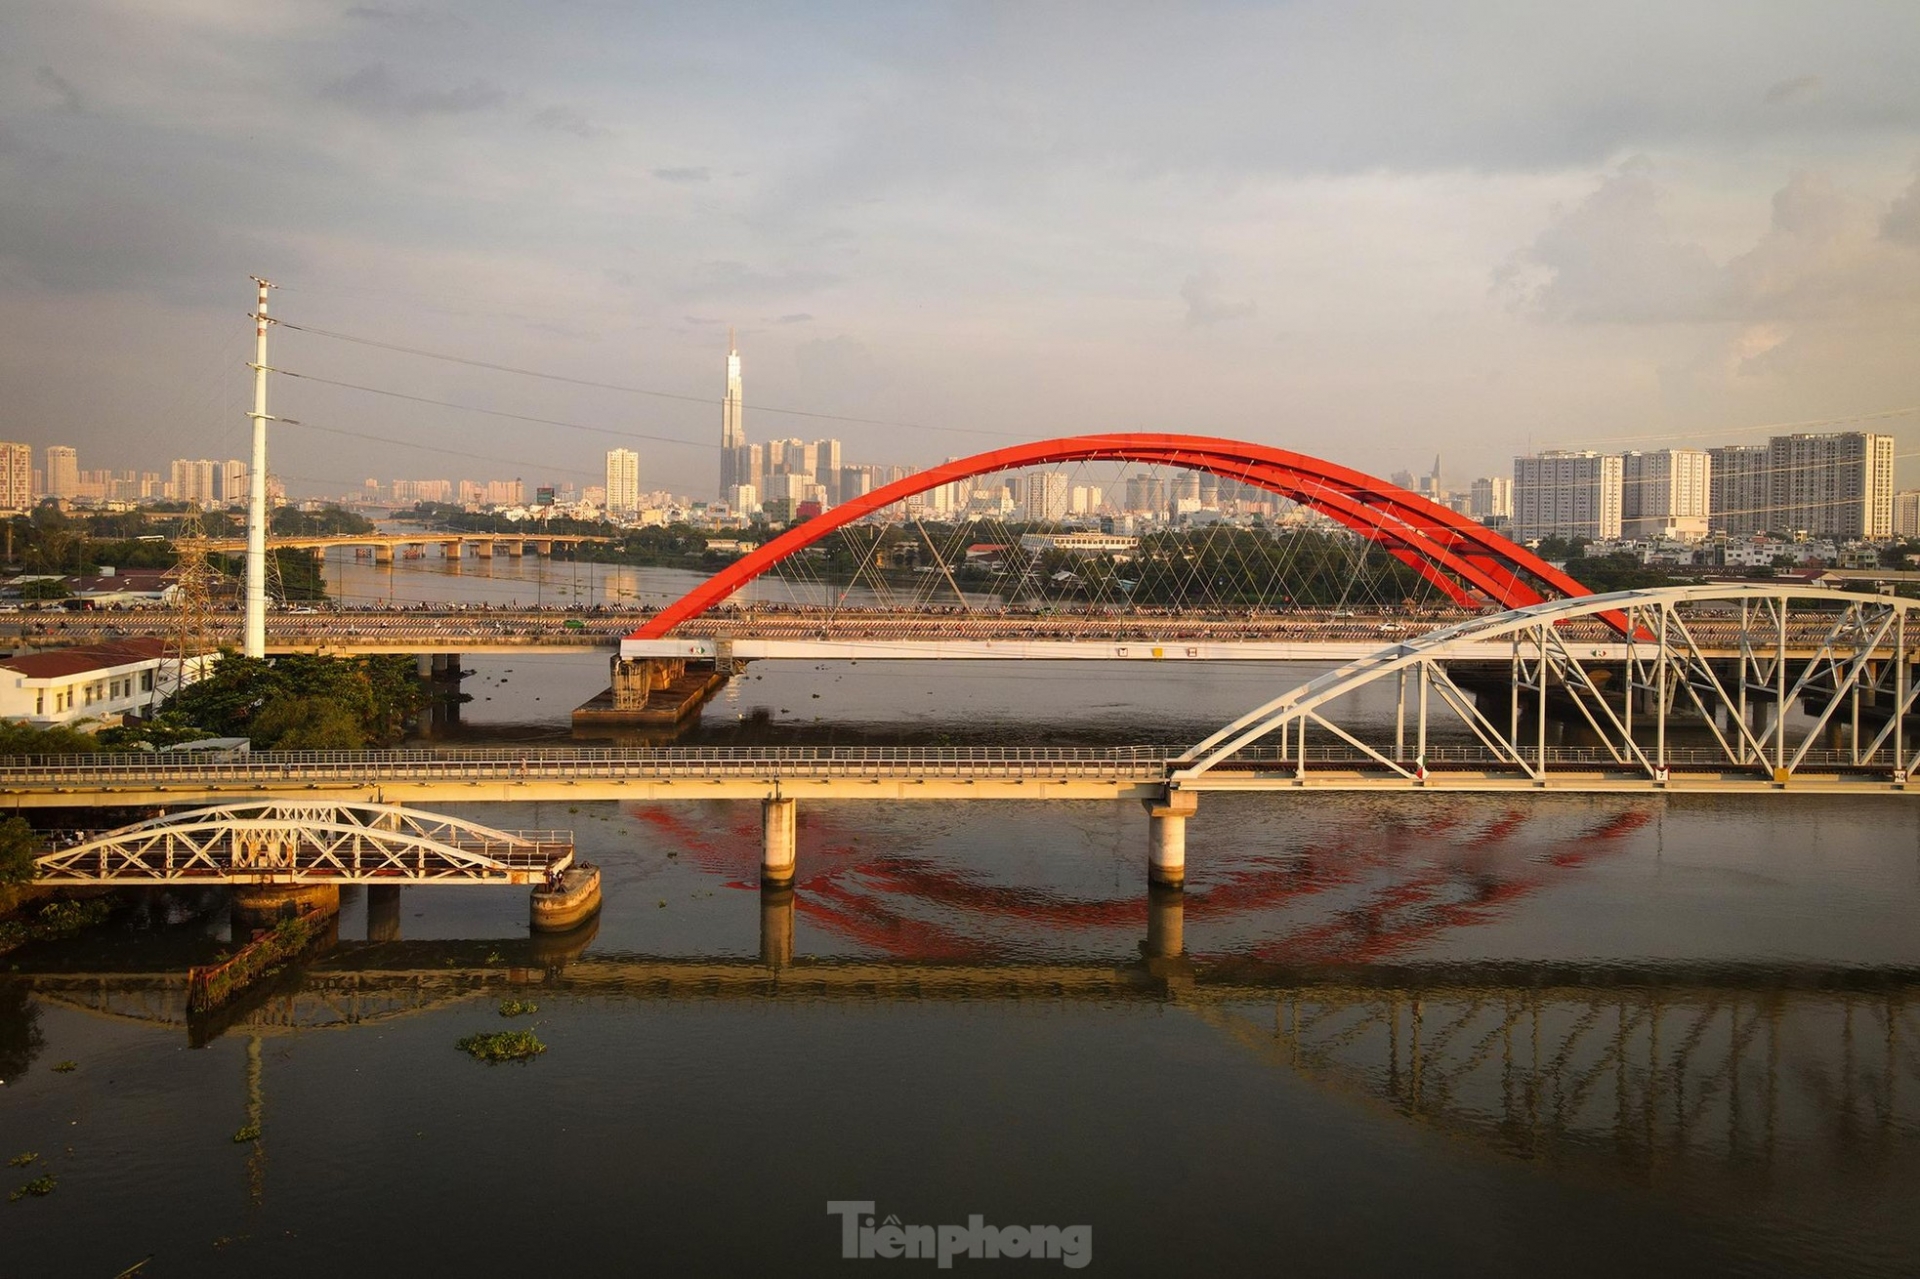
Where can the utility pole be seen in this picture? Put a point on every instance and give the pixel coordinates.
(256, 637)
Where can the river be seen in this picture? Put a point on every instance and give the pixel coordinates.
(1408, 1035)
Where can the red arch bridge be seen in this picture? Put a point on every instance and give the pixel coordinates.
(1798, 692)
(1447, 560)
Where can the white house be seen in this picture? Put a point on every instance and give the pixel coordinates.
(100, 682)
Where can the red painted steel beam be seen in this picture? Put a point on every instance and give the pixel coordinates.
(1442, 541)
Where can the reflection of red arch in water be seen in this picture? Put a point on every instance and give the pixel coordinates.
(1420, 899)
(1470, 563)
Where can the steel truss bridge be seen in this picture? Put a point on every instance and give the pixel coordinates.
(1664, 711)
(1660, 1073)
(278, 842)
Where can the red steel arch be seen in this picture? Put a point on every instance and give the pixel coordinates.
(1465, 559)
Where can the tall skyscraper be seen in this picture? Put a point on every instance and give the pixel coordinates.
(733, 431)
(16, 477)
(623, 482)
(233, 481)
(63, 471)
(193, 481)
(1664, 494)
(1491, 498)
(1044, 496)
(1739, 489)
(1832, 485)
(1566, 494)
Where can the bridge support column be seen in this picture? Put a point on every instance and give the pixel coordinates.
(1167, 837)
(383, 557)
(264, 905)
(776, 924)
(484, 549)
(383, 912)
(779, 824)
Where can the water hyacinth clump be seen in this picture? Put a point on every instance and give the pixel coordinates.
(518, 1008)
(502, 1045)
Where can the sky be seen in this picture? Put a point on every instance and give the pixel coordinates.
(1371, 230)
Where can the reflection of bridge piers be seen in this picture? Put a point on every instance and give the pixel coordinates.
(383, 912)
(776, 925)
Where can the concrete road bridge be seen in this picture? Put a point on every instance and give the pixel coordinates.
(1663, 712)
(453, 545)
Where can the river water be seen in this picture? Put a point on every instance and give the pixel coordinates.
(1413, 1035)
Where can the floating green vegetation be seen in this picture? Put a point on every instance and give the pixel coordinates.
(250, 1132)
(21, 1161)
(502, 1045)
(493, 957)
(65, 1067)
(35, 1189)
(518, 1008)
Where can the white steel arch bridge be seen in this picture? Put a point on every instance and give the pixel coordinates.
(285, 842)
(1760, 707)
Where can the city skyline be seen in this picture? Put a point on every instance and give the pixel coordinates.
(973, 233)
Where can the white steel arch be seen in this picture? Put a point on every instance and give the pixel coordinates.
(1697, 686)
(306, 842)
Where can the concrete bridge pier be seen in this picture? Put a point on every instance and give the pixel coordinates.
(383, 557)
(1167, 837)
(484, 548)
(776, 924)
(779, 826)
(383, 912)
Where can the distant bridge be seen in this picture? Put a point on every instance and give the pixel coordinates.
(453, 544)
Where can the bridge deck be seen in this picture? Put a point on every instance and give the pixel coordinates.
(857, 773)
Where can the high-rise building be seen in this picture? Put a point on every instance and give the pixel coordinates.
(192, 481)
(1739, 489)
(1832, 485)
(233, 481)
(1045, 495)
(16, 477)
(733, 431)
(1566, 493)
(1906, 513)
(623, 481)
(1665, 494)
(63, 471)
(1491, 498)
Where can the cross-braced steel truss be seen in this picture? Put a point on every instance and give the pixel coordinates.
(1756, 683)
(305, 842)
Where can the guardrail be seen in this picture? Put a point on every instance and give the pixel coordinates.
(638, 763)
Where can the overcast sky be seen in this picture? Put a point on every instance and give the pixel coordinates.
(1372, 231)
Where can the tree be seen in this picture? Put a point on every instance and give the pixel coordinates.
(377, 695)
(18, 845)
(17, 738)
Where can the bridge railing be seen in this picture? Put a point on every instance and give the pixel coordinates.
(634, 762)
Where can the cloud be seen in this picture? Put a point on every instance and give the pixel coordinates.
(1902, 222)
(736, 280)
(1612, 259)
(1207, 305)
(1826, 255)
(699, 174)
(62, 88)
(1804, 88)
(566, 120)
(373, 88)
(413, 16)
(798, 317)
